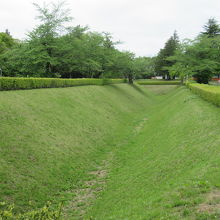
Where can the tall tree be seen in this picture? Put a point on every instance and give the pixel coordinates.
(199, 58)
(6, 41)
(42, 39)
(162, 63)
(211, 28)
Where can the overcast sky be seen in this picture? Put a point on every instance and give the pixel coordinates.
(142, 25)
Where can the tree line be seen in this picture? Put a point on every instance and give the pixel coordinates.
(54, 49)
(199, 57)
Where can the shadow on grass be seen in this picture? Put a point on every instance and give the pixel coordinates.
(134, 86)
(138, 89)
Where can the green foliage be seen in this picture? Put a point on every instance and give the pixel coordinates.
(181, 59)
(208, 92)
(7, 212)
(13, 83)
(204, 54)
(212, 28)
(162, 63)
(53, 49)
(124, 65)
(42, 40)
(198, 58)
(6, 42)
(144, 67)
(158, 82)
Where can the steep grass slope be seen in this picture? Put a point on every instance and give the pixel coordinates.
(50, 139)
(112, 152)
(170, 168)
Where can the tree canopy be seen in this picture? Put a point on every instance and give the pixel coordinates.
(199, 58)
(162, 64)
(56, 49)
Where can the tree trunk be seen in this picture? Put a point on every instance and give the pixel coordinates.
(181, 80)
(130, 79)
(48, 69)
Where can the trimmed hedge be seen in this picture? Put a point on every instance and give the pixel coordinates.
(207, 92)
(158, 82)
(14, 83)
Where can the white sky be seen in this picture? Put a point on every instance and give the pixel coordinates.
(142, 25)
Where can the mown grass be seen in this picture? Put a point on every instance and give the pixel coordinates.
(164, 149)
(52, 138)
(157, 82)
(160, 90)
(166, 170)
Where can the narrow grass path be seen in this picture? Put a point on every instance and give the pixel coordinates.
(169, 165)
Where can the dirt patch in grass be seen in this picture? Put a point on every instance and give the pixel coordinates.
(212, 203)
(86, 195)
(140, 125)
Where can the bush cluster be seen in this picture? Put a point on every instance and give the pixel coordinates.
(208, 92)
(13, 83)
(7, 212)
(158, 82)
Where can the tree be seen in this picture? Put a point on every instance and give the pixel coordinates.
(162, 64)
(6, 41)
(206, 55)
(199, 58)
(183, 63)
(211, 28)
(124, 65)
(54, 50)
(144, 67)
(42, 40)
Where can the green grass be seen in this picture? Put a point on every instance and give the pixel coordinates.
(156, 150)
(157, 82)
(160, 90)
(52, 138)
(165, 171)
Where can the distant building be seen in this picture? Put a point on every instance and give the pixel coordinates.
(216, 78)
(161, 77)
(156, 77)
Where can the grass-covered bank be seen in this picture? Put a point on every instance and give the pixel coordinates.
(170, 169)
(112, 152)
(52, 138)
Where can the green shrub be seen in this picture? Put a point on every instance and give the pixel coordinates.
(46, 213)
(158, 82)
(13, 83)
(208, 92)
